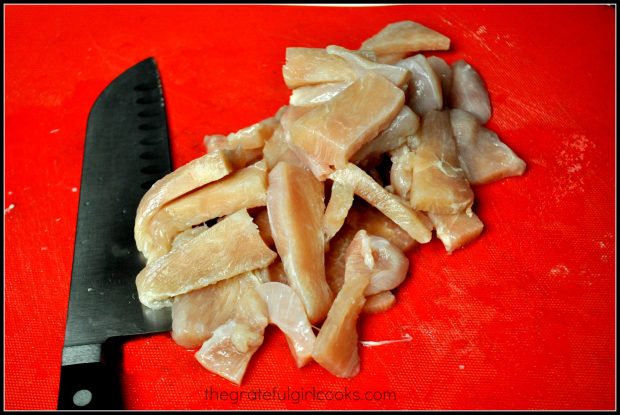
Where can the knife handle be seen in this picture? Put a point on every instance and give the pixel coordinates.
(90, 377)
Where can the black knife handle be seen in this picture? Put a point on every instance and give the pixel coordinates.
(90, 379)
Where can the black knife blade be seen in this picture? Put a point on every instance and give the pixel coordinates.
(126, 150)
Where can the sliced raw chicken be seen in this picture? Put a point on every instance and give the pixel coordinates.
(469, 92)
(378, 303)
(483, 156)
(197, 314)
(228, 352)
(233, 246)
(401, 171)
(456, 230)
(396, 75)
(261, 219)
(187, 235)
(363, 216)
(287, 312)
(335, 257)
(337, 209)
(405, 124)
(439, 184)
(244, 189)
(311, 95)
(444, 72)
(297, 155)
(406, 37)
(336, 346)
(309, 66)
(391, 58)
(276, 272)
(389, 265)
(193, 175)
(390, 205)
(295, 206)
(424, 92)
(332, 132)
(277, 149)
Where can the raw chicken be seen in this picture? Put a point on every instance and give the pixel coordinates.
(337, 209)
(276, 272)
(483, 156)
(424, 92)
(244, 189)
(378, 303)
(389, 204)
(187, 235)
(244, 146)
(195, 174)
(336, 346)
(261, 219)
(295, 206)
(439, 184)
(335, 257)
(197, 314)
(233, 245)
(405, 124)
(456, 230)
(332, 132)
(391, 58)
(287, 312)
(469, 92)
(311, 95)
(309, 66)
(277, 149)
(444, 72)
(388, 264)
(228, 352)
(394, 74)
(401, 171)
(405, 37)
(363, 216)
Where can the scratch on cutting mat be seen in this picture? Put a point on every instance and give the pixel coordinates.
(369, 343)
(10, 208)
(54, 131)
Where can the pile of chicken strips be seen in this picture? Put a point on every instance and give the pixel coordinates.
(305, 219)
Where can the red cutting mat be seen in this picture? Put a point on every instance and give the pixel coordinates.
(522, 318)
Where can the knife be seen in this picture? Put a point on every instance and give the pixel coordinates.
(126, 151)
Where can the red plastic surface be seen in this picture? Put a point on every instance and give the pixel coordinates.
(522, 318)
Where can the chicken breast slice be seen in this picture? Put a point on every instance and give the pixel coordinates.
(405, 124)
(337, 209)
(456, 230)
(197, 314)
(406, 37)
(197, 173)
(391, 58)
(483, 156)
(228, 352)
(336, 346)
(311, 95)
(244, 189)
(378, 303)
(332, 132)
(388, 265)
(390, 205)
(444, 72)
(233, 245)
(396, 75)
(363, 216)
(287, 312)
(469, 92)
(188, 235)
(438, 183)
(311, 66)
(401, 171)
(295, 206)
(424, 93)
